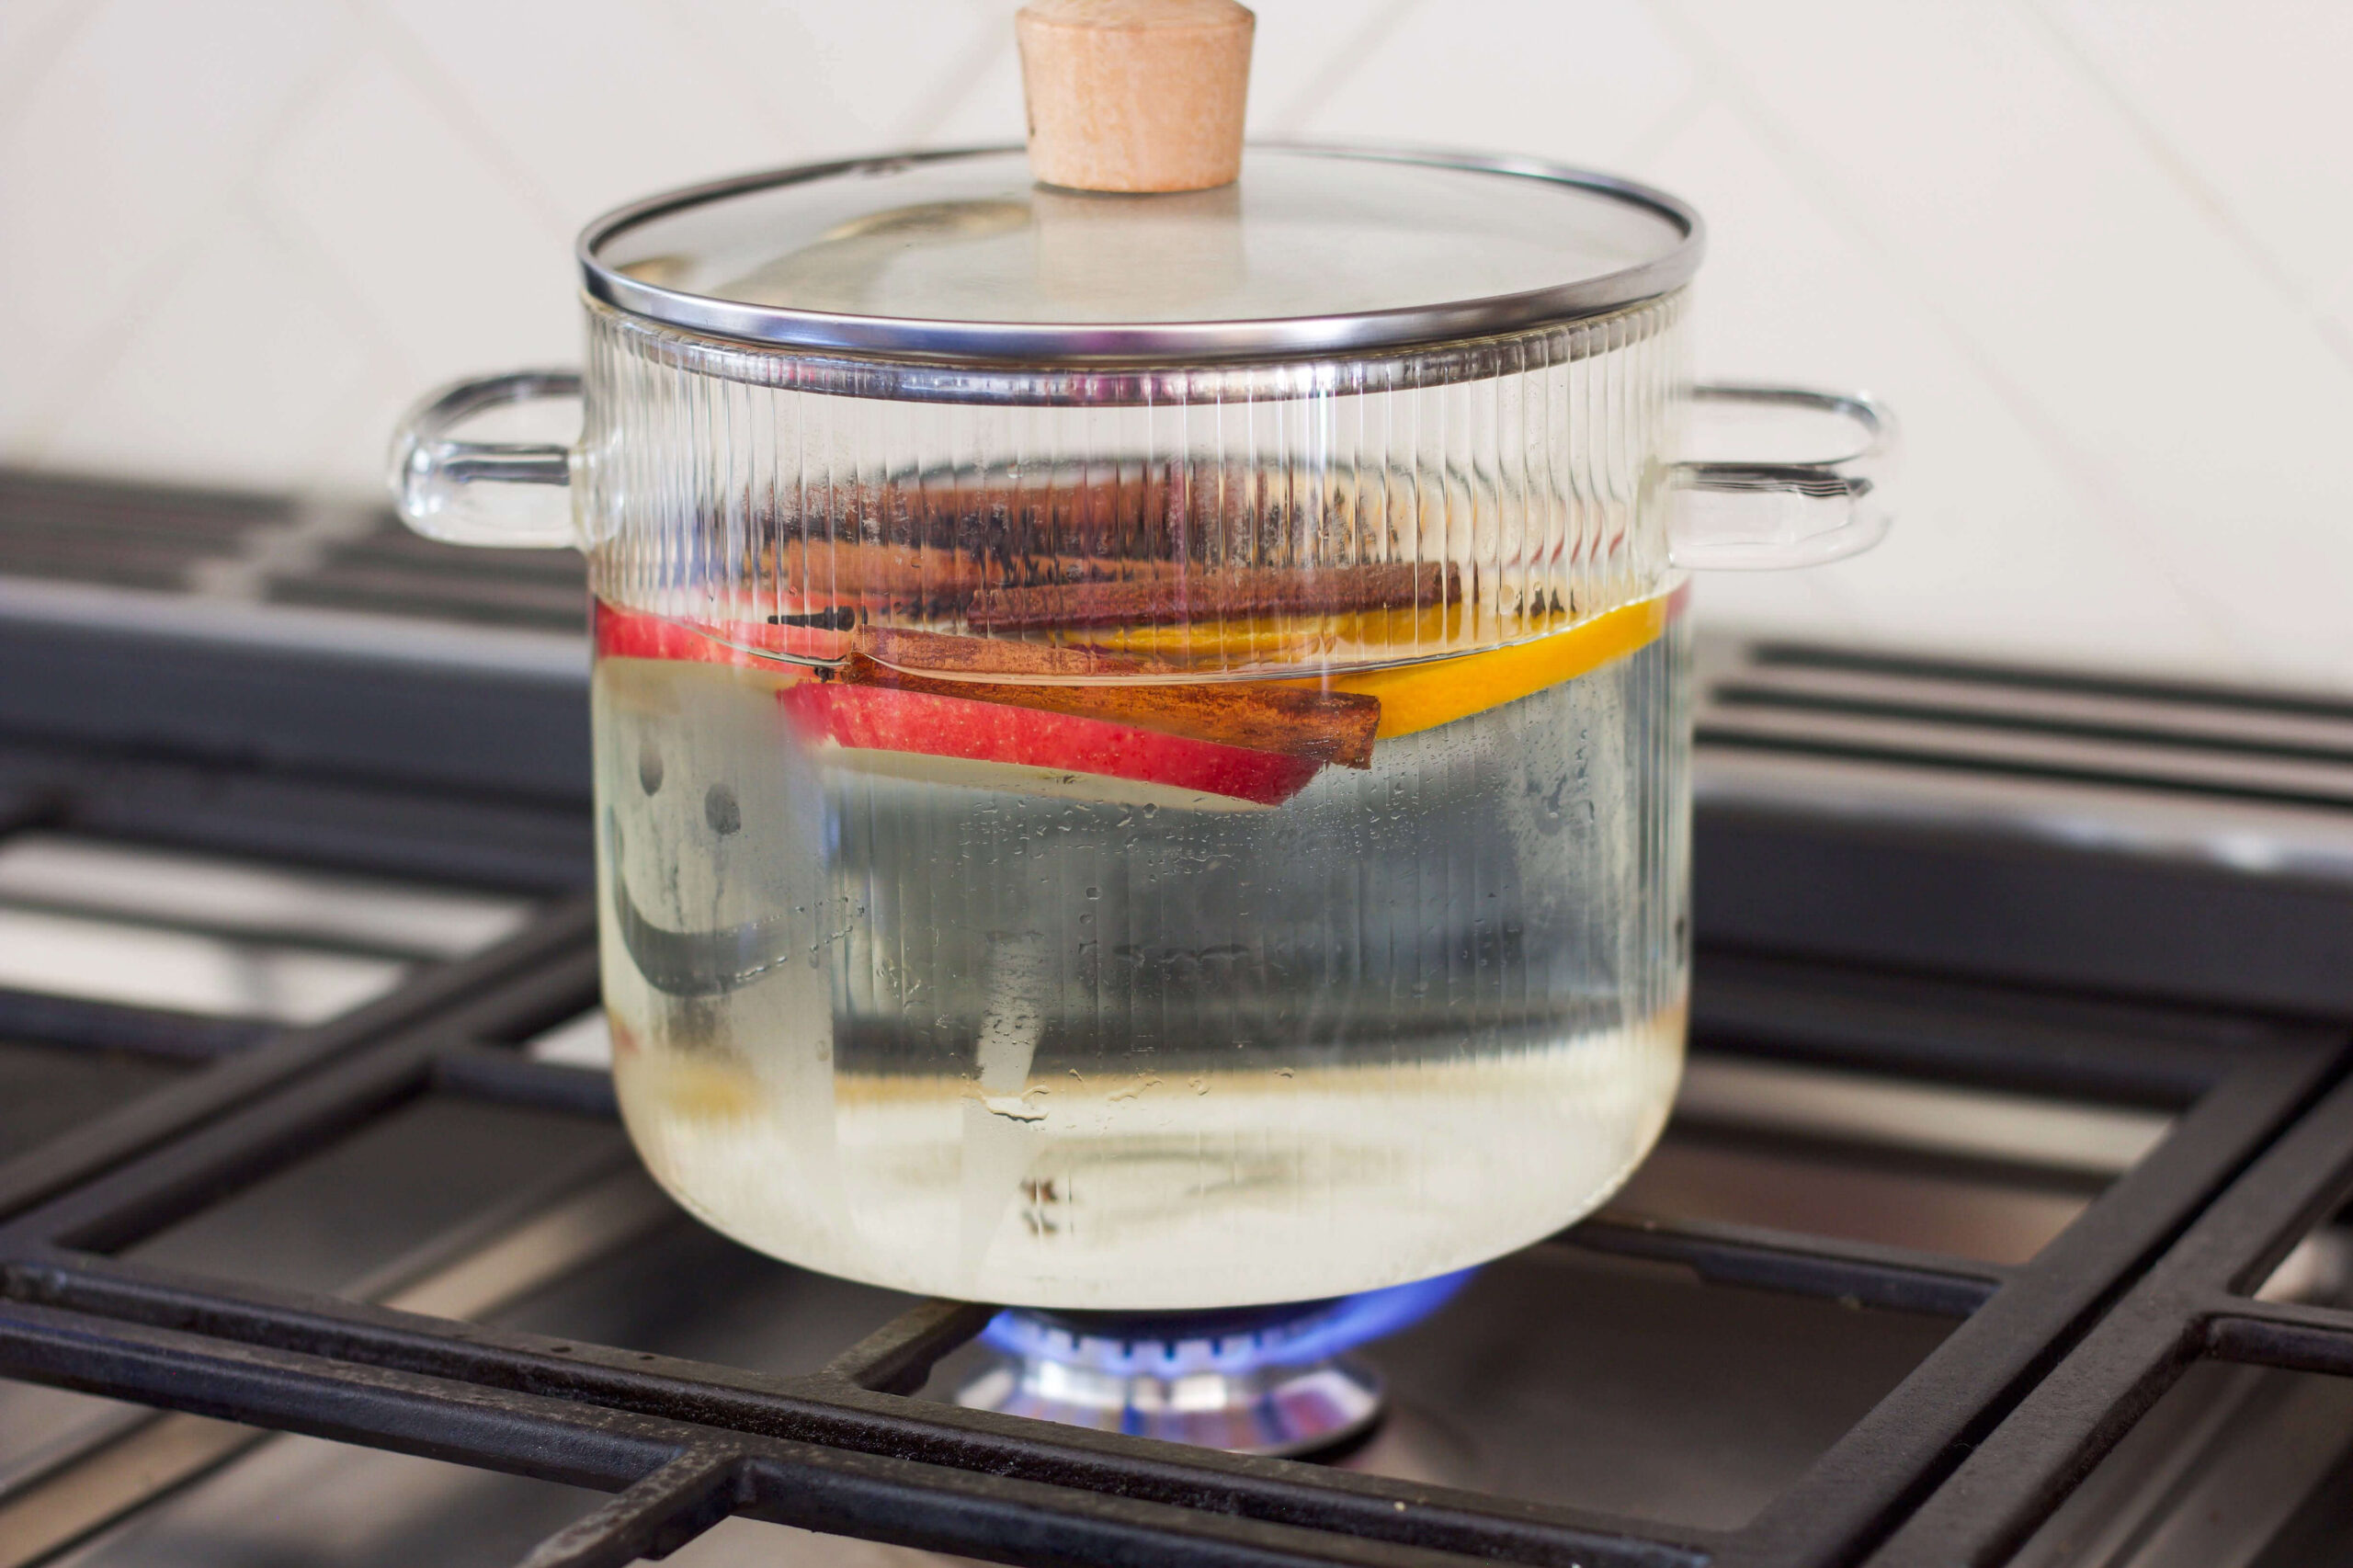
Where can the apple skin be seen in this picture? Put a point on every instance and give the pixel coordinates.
(631, 634)
(880, 719)
(1005, 745)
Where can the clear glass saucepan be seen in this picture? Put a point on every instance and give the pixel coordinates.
(1142, 739)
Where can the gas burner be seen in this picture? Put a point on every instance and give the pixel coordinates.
(1271, 1379)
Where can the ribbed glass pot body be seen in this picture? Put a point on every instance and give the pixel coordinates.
(1141, 840)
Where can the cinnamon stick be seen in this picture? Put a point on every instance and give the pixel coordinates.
(946, 585)
(1326, 726)
(1169, 596)
(940, 655)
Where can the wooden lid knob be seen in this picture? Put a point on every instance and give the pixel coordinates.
(1135, 94)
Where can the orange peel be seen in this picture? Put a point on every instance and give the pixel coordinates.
(1423, 695)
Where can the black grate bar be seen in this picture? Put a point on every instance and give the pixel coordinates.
(2291, 1336)
(953, 1457)
(496, 1072)
(79, 1154)
(2210, 736)
(292, 1391)
(211, 1163)
(113, 1210)
(1854, 1495)
(2038, 678)
(462, 833)
(1965, 1033)
(874, 1496)
(1940, 747)
(1892, 1279)
(821, 1409)
(2025, 1467)
(560, 986)
(653, 1518)
(898, 1357)
(23, 807)
(109, 1026)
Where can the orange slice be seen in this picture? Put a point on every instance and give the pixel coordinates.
(1415, 697)
(1276, 640)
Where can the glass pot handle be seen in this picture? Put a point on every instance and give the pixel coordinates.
(512, 493)
(1752, 515)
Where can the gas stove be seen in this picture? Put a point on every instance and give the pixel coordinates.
(1996, 1222)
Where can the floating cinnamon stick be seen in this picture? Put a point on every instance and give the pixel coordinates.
(939, 655)
(1167, 596)
(945, 585)
(1327, 726)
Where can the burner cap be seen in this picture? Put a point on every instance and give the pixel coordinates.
(1258, 1380)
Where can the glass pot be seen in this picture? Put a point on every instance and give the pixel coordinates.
(1143, 741)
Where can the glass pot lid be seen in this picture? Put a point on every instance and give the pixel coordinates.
(961, 255)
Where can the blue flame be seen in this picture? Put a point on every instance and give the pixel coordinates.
(1288, 1337)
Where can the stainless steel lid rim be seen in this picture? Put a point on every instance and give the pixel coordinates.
(1014, 383)
(1029, 344)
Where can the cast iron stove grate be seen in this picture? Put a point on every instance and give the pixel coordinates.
(2050, 1360)
(2019, 1390)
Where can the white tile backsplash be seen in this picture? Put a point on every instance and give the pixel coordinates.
(242, 301)
(1988, 175)
(1584, 81)
(2246, 106)
(449, 254)
(594, 105)
(32, 33)
(1305, 51)
(2099, 253)
(116, 166)
(1997, 541)
(840, 80)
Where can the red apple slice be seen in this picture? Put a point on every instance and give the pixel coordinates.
(630, 634)
(921, 734)
(1326, 726)
(980, 745)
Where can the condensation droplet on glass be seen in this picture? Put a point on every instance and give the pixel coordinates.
(720, 809)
